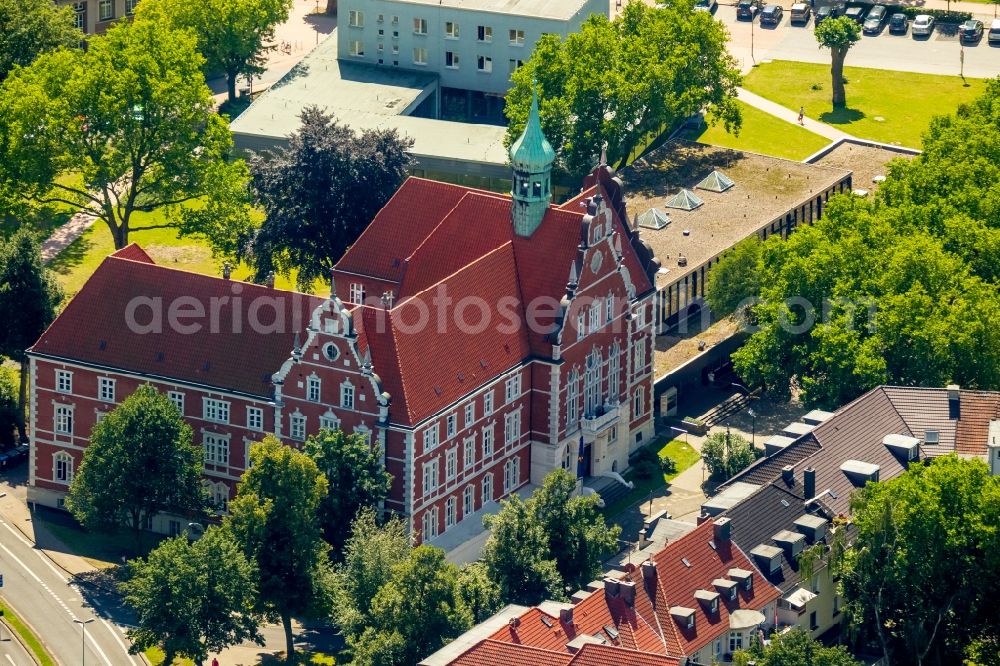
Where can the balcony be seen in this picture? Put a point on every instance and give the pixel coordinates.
(603, 418)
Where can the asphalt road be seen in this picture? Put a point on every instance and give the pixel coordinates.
(938, 54)
(46, 599)
(11, 651)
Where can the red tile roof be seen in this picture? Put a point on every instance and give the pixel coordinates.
(496, 653)
(94, 328)
(427, 368)
(977, 410)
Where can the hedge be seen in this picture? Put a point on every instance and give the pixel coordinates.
(940, 15)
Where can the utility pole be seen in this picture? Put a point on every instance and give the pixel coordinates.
(83, 639)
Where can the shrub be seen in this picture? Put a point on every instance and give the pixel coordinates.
(8, 407)
(724, 459)
(667, 465)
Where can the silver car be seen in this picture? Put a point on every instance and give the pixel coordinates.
(922, 26)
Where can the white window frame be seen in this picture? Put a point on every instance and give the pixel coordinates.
(512, 427)
(215, 410)
(451, 425)
(515, 37)
(431, 476)
(484, 64)
(469, 451)
(512, 389)
(64, 463)
(489, 442)
(215, 449)
(595, 315)
(430, 523)
(638, 358)
(313, 388)
(347, 395)
(357, 48)
(356, 18)
(484, 34)
(573, 399)
(419, 26)
(106, 389)
(451, 59)
(488, 403)
(177, 398)
(106, 10)
(63, 420)
(255, 419)
(80, 15)
(470, 414)
(639, 402)
(432, 437)
(486, 494)
(450, 513)
(297, 426)
(581, 324)
(451, 464)
(609, 308)
(419, 55)
(329, 421)
(468, 501)
(451, 30)
(64, 381)
(357, 293)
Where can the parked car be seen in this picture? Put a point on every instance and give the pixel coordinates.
(923, 26)
(747, 9)
(706, 5)
(856, 14)
(771, 15)
(875, 20)
(898, 24)
(825, 12)
(800, 13)
(993, 37)
(971, 31)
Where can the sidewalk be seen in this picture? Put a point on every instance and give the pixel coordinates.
(791, 116)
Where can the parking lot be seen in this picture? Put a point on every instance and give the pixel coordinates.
(938, 54)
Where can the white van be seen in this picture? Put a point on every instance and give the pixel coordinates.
(994, 35)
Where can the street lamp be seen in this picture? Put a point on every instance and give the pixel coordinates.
(83, 639)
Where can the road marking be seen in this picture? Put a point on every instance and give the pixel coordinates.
(10, 659)
(25, 567)
(114, 634)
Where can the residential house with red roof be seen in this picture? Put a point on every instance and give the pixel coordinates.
(695, 601)
(479, 340)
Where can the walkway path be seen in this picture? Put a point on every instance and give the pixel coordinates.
(791, 116)
(64, 236)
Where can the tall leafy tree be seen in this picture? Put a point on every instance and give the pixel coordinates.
(125, 126)
(480, 593)
(734, 282)
(321, 192)
(415, 613)
(656, 67)
(726, 454)
(10, 417)
(29, 28)
(839, 35)
(274, 519)
(919, 577)
(357, 480)
(141, 461)
(371, 552)
(192, 599)
(578, 538)
(233, 35)
(29, 295)
(796, 648)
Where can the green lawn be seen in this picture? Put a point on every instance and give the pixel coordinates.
(683, 455)
(101, 550)
(763, 133)
(27, 636)
(78, 262)
(886, 106)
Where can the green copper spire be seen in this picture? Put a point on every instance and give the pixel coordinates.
(531, 157)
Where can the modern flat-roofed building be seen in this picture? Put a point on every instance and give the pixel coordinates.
(473, 46)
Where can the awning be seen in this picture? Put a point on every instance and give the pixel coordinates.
(745, 618)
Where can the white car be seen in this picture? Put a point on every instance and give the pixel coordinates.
(705, 5)
(922, 26)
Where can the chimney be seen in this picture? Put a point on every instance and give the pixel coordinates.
(270, 280)
(566, 615)
(611, 587)
(626, 590)
(788, 474)
(809, 483)
(954, 402)
(721, 529)
(649, 570)
(227, 270)
(703, 518)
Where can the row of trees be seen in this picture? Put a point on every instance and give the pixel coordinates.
(899, 289)
(287, 546)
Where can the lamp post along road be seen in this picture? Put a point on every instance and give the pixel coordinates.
(83, 639)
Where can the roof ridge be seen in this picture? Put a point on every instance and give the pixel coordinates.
(475, 263)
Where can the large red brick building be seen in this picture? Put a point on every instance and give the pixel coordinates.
(479, 340)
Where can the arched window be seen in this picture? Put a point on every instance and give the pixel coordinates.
(62, 468)
(487, 489)
(573, 400)
(592, 384)
(614, 371)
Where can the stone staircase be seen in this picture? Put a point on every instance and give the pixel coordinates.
(610, 490)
